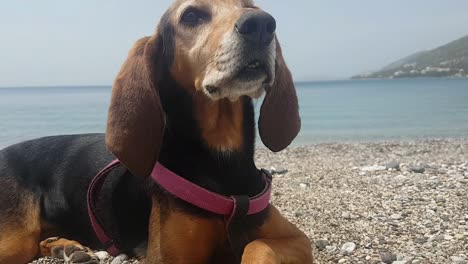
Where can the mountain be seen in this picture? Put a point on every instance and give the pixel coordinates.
(450, 60)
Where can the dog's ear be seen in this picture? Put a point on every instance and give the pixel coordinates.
(135, 124)
(279, 121)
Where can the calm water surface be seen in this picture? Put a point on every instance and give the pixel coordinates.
(331, 111)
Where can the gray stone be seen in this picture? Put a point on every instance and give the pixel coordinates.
(421, 240)
(437, 238)
(445, 217)
(417, 169)
(321, 244)
(393, 165)
(387, 257)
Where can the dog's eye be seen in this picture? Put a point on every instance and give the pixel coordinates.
(194, 17)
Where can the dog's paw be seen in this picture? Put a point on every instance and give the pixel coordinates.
(70, 251)
(73, 254)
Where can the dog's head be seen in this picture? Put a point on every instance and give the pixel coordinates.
(223, 49)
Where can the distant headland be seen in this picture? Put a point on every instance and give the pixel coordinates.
(450, 60)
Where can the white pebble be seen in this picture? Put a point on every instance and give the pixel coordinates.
(396, 216)
(119, 259)
(102, 255)
(458, 260)
(348, 248)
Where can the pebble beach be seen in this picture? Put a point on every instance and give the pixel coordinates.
(387, 202)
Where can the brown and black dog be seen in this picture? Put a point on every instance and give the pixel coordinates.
(184, 98)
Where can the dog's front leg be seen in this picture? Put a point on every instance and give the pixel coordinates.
(176, 237)
(279, 242)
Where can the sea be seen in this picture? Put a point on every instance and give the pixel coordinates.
(331, 111)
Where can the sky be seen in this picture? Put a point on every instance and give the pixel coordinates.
(56, 42)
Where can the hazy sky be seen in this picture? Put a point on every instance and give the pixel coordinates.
(57, 42)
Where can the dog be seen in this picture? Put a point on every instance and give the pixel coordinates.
(183, 99)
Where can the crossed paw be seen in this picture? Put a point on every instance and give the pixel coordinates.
(70, 251)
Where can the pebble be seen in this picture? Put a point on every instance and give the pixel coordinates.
(396, 216)
(387, 257)
(275, 171)
(321, 244)
(342, 261)
(436, 238)
(102, 255)
(120, 259)
(331, 248)
(458, 260)
(374, 168)
(421, 240)
(448, 237)
(393, 165)
(417, 169)
(346, 215)
(347, 248)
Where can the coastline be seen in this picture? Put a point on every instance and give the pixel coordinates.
(342, 193)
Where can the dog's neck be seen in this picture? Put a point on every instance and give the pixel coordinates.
(210, 143)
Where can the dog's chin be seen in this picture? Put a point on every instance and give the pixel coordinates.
(244, 82)
(236, 88)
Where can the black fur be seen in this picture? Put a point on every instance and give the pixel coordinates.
(57, 171)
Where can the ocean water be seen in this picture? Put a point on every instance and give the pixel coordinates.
(331, 111)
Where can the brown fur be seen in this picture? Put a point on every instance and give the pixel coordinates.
(135, 131)
(221, 123)
(179, 232)
(279, 241)
(19, 235)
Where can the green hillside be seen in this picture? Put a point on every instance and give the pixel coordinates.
(450, 60)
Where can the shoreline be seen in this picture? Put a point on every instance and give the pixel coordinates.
(357, 206)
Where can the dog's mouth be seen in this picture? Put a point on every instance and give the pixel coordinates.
(252, 71)
(212, 89)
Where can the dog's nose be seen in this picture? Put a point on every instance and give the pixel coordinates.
(257, 27)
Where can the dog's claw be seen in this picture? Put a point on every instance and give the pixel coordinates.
(51, 239)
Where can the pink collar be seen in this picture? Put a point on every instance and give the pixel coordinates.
(229, 206)
(205, 199)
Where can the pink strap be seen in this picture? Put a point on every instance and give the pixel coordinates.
(205, 199)
(93, 192)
